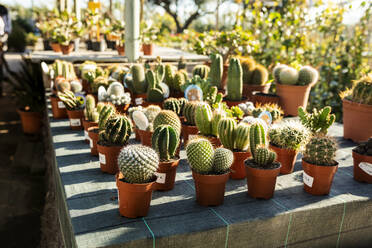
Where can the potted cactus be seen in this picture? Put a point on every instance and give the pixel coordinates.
(174, 79)
(235, 84)
(189, 126)
(165, 141)
(235, 137)
(319, 164)
(58, 108)
(75, 108)
(115, 94)
(210, 170)
(293, 86)
(357, 108)
(286, 139)
(91, 115)
(157, 91)
(318, 121)
(111, 139)
(201, 70)
(135, 128)
(217, 73)
(362, 155)
(137, 84)
(275, 111)
(143, 120)
(262, 170)
(136, 179)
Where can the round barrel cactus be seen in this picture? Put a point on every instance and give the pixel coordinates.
(165, 141)
(222, 160)
(264, 157)
(117, 130)
(168, 117)
(320, 150)
(200, 155)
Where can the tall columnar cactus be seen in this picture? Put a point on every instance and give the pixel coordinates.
(200, 155)
(172, 104)
(203, 118)
(257, 137)
(248, 66)
(222, 160)
(307, 75)
(319, 121)
(138, 163)
(168, 117)
(362, 90)
(160, 71)
(260, 75)
(179, 79)
(90, 111)
(182, 101)
(216, 70)
(189, 112)
(275, 111)
(165, 141)
(218, 114)
(264, 157)
(320, 150)
(107, 111)
(201, 70)
(242, 136)
(288, 135)
(226, 132)
(139, 79)
(151, 79)
(170, 70)
(117, 130)
(234, 80)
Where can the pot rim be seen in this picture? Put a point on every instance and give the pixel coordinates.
(357, 104)
(354, 153)
(247, 164)
(284, 149)
(336, 164)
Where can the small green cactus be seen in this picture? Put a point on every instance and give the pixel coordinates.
(90, 111)
(289, 135)
(216, 70)
(179, 79)
(181, 64)
(288, 76)
(139, 79)
(275, 111)
(170, 70)
(165, 141)
(117, 130)
(226, 132)
(260, 75)
(307, 75)
(264, 157)
(207, 120)
(222, 160)
(234, 80)
(138, 163)
(107, 111)
(242, 136)
(200, 155)
(182, 101)
(320, 150)
(201, 70)
(319, 121)
(168, 117)
(189, 112)
(155, 95)
(257, 137)
(172, 104)
(362, 90)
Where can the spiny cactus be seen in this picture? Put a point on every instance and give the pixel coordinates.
(222, 160)
(248, 66)
(165, 141)
(155, 95)
(260, 75)
(201, 70)
(264, 157)
(226, 132)
(106, 112)
(320, 150)
(200, 155)
(288, 75)
(179, 79)
(362, 90)
(117, 130)
(151, 112)
(76, 86)
(168, 117)
(207, 120)
(182, 101)
(218, 114)
(172, 104)
(98, 82)
(319, 121)
(189, 112)
(276, 71)
(62, 85)
(307, 75)
(289, 135)
(257, 137)
(140, 120)
(71, 101)
(212, 96)
(138, 163)
(241, 134)
(170, 70)
(139, 80)
(275, 111)
(216, 70)
(90, 112)
(234, 80)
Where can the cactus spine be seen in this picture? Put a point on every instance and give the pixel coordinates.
(203, 119)
(106, 112)
(288, 75)
(362, 90)
(307, 75)
(241, 134)
(165, 141)
(189, 112)
(172, 104)
(226, 132)
(288, 135)
(168, 117)
(320, 150)
(257, 137)
(264, 157)
(234, 80)
(222, 160)
(260, 75)
(117, 130)
(216, 70)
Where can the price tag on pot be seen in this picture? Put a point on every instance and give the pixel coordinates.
(308, 180)
(102, 158)
(75, 122)
(366, 167)
(61, 105)
(160, 177)
(192, 136)
(138, 101)
(86, 135)
(90, 142)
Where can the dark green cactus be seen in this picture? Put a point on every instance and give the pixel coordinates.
(307, 75)
(222, 160)
(151, 79)
(117, 130)
(264, 157)
(168, 117)
(106, 112)
(260, 75)
(181, 64)
(189, 112)
(155, 95)
(179, 79)
(257, 137)
(203, 118)
(226, 132)
(201, 70)
(319, 121)
(248, 66)
(172, 104)
(165, 141)
(234, 80)
(320, 150)
(362, 90)
(216, 70)
(183, 101)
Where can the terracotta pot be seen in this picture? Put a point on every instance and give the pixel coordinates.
(86, 125)
(93, 139)
(188, 131)
(56, 47)
(122, 109)
(147, 49)
(86, 86)
(237, 170)
(121, 50)
(292, 97)
(58, 108)
(134, 199)
(138, 99)
(318, 179)
(362, 172)
(137, 136)
(76, 119)
(262, 98)
(31, 121)
(67, 49)
(210, 189)
(145, 137)
(286, 157)
(248, 89)
(108, 158)
(146, 103)
(357, 121)
(166, 175)
(261, 182)
(235, 103)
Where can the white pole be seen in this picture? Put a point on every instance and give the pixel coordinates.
(77, 9)
(132, 29)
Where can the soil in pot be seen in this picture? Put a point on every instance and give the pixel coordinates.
(166, 174)
(147, 49)
(235, 103)
(261, 181)
(134, 199)
(58, 108)
(263, 98)
(362, 167)
(286, 157)
(188, 132)
(210, 189)
(248, 90)
(317, 178)
(237, 170)
(76, 119)
(86, 125)
(31, 121)
(108, 157)
(93, 139)
(292, 96)
(67, 49)
(145, 137)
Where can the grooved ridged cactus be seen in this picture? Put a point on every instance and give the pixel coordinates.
(200, 155)
(138, 163)
(222, 160)
(189, 112)
(248, 66)
(179, 79)
(307, 75)
(257, 137)
(216, 70)
(117, 130)
(165, 141)
(320, 150)
(170, 70)
(90, 111)
(168, 117)
(182, 101)
(260, 75)
(207, 120)
(288, 135)
(151, 79)
(288, 75)
(139, 80)
(106, 112)
(264, 157)
(242, 136)
(218, 114)
(362, 90)
(234, 80)
(226, 132)
(155, 95)
(172, 104)
(201, 70)
(319, 121)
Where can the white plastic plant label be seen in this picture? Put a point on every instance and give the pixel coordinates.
(75, 122)
(61, 105)
(90, 142)
(160, 177)
(138, 101)
(102, 158)
(366, 167)
(308, 180)
(86, 135)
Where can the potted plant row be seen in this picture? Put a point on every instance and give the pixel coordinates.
(75, 108)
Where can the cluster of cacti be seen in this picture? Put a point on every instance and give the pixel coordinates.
(285, 74)
(234, 80)
(216, 70)
(201, 70)
(207, 119)
(71, 101)
(288, 135)
(318, 121)
(275, 111)
(252, 120)
(90, 71)
(168, 117)
(189, 112)
(257, 137)
(233, 136)
(165, 141)
(90, 112)
(247, 107)
(106, 112)
(174, 78)
(203, 159)
(115, 94)
(117, 72)
(61, 68)
(211, 96)
(143, 118)
(98, 82)
(320, 150)
(157, 90)
(116, 130)
(253, 73)
(364, 148)
(362, 90)
(138, 163)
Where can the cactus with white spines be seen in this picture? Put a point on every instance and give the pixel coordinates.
(320, 150)
(289, 135)
(168, 117)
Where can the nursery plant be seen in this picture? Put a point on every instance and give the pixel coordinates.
(318, 121)
(143, 119)
(275, 111)
(116, 95)
(234, 83)
(216, 71)
(91, 115)
(201, 70)
(362, 155)
(189, 126)
(255, 77)
(157, 91)
(75, 108)
(148, 36)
